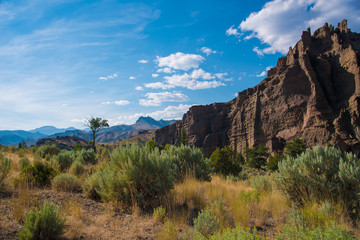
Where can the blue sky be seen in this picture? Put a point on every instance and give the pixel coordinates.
(63, 61)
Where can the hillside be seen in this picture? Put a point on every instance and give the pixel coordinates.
(312, 93)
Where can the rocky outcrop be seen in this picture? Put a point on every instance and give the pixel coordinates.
(64, 142)
(312, 93)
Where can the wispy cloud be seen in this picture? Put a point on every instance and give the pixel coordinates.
(118, 102)
(143, 61)
(207, 51)
(132, 77)
(109, 76)
(156, 99)
(263, 73)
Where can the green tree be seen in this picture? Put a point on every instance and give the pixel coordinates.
(274, 161)
(256, 157)
(95, 124)
(225, 161)
(295, 147)
(183, 138)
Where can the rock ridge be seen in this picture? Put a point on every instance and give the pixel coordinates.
(312, 93)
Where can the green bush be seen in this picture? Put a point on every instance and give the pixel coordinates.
(39, 174)
(46, 152)
(225, 161)
(43, 224)
(87, 156)
(24, 163)
(217, 209)
(206, 223)
(65, 182)
(234, 234)
(63, 160)
(256, 157)
(261, 183)
(135, 176)
(298, 228)
(295, 147)
(188, 160)
(322, 174)
(76, 168)
(274, 161)
(159, 214)
(5, 166)
(90, 185)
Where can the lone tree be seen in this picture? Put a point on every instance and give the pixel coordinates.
(95, 124)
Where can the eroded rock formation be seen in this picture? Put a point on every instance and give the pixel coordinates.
(312, 93)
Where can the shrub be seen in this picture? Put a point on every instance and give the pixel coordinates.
(256, 157)
(77, 168)
(90, 185)
(261, 184)
(206, 224)
(237, 233)
(65, 182)
(43, 224)
(135, 176)
(169, 232)
(24, 163)
(297, 227)
(5, 166)
(217, 209)
(225, 161)
(159, 214)
(295, 147)
(63, 160)
(274, 161)
(151, 145)
(322, 174)
(188, 160)
(39, 174)
(46, 151)
(87, 156)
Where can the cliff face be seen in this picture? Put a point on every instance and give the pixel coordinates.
(312, 93)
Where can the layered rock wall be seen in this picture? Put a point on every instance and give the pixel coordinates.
(312, 93)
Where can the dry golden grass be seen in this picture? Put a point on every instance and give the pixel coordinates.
(23, 201)
(169, 231)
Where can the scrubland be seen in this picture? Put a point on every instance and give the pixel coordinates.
(175, 192)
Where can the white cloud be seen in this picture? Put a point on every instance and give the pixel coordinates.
(143, 61)
(258, 51)
(180, 61)
(190, 81)
(122, 102)
(154, 75)
(109, 76)
(186, 81)
(156, 99)
(279, 23)
(119, 102)
(159, 85)
(263, 73)
(169, 113)
(139, 88)
(207, 51)
(165, 70)
(132, 77)
(199, 73)
(232, 31)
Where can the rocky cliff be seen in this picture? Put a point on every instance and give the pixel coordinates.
(312, 93)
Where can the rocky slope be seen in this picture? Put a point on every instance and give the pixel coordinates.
(312, 93)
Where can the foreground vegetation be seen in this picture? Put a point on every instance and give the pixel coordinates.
(303, 193)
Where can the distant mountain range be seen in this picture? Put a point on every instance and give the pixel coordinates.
(111, 134)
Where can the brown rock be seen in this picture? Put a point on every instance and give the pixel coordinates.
(312, 93)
